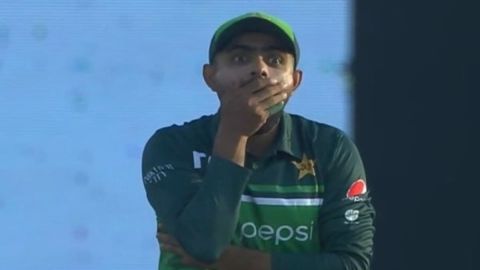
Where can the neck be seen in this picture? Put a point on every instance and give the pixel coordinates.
(262, 141)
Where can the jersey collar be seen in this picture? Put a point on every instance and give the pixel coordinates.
(288, 141)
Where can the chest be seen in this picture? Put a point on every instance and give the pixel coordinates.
(280, 207)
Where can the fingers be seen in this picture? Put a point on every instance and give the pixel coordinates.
(186, 259)
(164, 238)
(268, 92)
(172, 248)
(279, 98)
(160, 227)
(270, 96)
(168, 243)
(255, 84)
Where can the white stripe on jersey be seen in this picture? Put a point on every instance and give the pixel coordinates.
(283, 201)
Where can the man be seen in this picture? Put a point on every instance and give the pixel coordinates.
(253, 187)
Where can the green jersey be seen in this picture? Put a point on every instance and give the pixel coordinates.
(306, 202)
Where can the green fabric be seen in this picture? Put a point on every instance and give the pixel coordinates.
(254, 21)
(264, 227)
(286, 189)
(292, 203)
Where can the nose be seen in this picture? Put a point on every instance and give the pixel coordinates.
(259, 68)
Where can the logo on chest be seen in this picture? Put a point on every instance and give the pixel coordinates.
(305, 167)
(277, 234)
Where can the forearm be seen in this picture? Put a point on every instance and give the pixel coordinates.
(320, 261)
(206, 224)
(237, 258)
(230, 146)
(196, 202)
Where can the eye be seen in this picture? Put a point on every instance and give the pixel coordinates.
(275, 59)
(239, 58)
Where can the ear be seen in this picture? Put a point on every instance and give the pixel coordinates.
(297, 79)
(209, 71)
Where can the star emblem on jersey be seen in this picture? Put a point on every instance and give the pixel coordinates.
(305, 166)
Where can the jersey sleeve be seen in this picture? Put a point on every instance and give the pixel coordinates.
(346, 218)
(199, 208)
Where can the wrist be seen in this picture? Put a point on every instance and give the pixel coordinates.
(230, 145)
(239, 258)
(227, 133)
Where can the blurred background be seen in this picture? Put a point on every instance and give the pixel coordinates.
(416, 124)
(85, 83)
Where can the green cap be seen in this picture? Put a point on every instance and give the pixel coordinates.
(254, 22)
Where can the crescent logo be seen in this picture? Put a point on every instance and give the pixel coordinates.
(359, 187)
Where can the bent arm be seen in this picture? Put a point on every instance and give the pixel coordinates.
(200, 211)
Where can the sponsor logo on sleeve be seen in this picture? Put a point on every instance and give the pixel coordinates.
(157, 173)
(356, 190)
(351, 216)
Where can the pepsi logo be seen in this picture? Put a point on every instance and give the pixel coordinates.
(357, 188)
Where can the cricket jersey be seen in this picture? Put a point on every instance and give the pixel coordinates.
(305, 202)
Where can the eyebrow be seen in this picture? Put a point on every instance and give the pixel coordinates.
(252, 48)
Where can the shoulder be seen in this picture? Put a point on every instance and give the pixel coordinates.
(176, 143)
(197, 131)
(328, 144)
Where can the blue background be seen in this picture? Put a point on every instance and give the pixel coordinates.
(84, 84)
